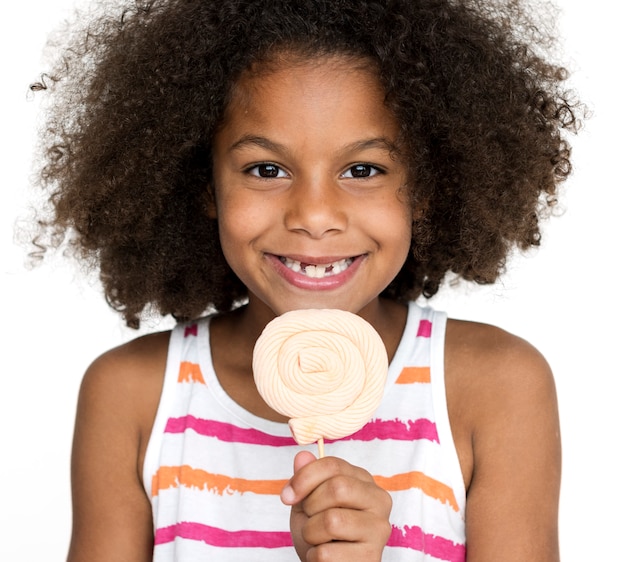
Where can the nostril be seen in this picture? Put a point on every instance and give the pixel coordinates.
(315, 216)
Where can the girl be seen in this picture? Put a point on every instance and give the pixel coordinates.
(247, 158)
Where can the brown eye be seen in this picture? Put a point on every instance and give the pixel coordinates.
(361, 171)
(267, 170)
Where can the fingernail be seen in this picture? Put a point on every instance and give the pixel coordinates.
(288, 496)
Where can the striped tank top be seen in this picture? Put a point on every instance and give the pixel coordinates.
(214, 471)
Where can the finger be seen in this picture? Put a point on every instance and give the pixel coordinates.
(347, 525)
(362, 552)
(302, 459)
(347, 492)
(288, 495)
(311, 474)
(346, 550)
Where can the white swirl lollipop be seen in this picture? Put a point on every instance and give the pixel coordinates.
(324, 369)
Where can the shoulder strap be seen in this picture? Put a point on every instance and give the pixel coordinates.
(170, 378)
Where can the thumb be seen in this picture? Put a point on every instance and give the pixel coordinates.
(287, 495)
(302, 459)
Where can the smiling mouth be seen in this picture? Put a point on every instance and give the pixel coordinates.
(317, 271)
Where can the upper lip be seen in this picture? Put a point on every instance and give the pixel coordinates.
(316, 260)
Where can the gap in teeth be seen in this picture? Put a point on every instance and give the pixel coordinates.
(318, 271)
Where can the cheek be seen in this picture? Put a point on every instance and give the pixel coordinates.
(234, 227)
(402, 233)
(396, 215)
(241, 218)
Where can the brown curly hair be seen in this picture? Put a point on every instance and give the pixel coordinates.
(138, 96)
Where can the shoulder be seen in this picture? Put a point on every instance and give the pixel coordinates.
(125, 383)
(130, 365)
(484, 342)
(117, 403)
(504, 418)
(493, 366)
(119, 396)
(132, 360)
(120, 391)
(495, 372)
(491, 356)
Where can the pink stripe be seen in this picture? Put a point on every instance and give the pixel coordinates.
(438, 547)
(376, 429)
(424, 330)
(226, 432)
(411, 537)
(220, 537)
(397, 430)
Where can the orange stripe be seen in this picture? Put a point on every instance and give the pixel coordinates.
(410, 375)
(429, 486)
(188, 477)
(190, 372)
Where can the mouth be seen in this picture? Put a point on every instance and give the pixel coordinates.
(317, 270)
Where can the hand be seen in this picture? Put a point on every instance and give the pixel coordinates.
(338, 512)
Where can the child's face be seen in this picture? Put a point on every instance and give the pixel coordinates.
(310, 196)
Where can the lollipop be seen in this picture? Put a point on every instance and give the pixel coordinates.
(324, 369)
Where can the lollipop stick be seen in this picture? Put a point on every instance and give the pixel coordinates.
(320, 447)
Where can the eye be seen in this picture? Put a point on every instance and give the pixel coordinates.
(361, 171)
(267, 170)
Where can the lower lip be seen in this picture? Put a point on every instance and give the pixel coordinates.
(315, 284)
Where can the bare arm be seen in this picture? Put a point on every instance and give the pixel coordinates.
(117, 402)
(507, 431)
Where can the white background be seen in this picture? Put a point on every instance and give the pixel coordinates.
(567, 299)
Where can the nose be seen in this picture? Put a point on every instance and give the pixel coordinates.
(316, 208)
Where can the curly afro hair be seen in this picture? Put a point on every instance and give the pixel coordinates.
(138, 97)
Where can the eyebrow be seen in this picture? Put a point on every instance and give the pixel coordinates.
(254, 140)
(263, 142)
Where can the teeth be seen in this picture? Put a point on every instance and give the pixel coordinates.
(318, 271)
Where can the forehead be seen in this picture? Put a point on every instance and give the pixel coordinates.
(326, 91)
